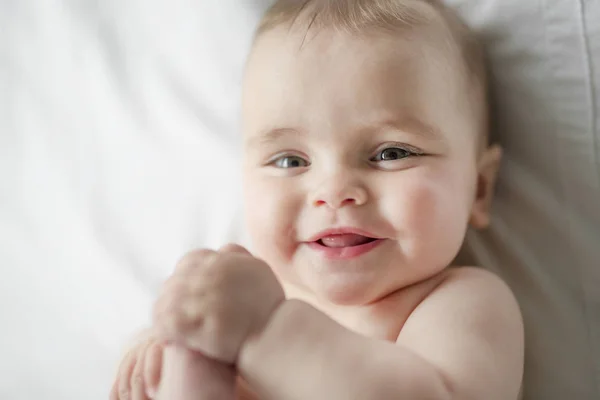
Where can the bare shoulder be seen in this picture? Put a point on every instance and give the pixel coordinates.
(477, 298)
(470, 327)
(474, 286)
(475, 278)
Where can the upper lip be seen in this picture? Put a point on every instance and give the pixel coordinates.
(342, 231)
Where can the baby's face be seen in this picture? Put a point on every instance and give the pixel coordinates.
(371, 136)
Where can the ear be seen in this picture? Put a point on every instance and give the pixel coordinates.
(487, 171)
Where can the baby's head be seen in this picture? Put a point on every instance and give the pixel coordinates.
(368, 117)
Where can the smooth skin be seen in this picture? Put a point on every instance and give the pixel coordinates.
(377, 133)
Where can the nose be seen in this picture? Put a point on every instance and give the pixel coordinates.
(339, 191)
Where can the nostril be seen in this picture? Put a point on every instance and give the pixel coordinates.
(345, 202)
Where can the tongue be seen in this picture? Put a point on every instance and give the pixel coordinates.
(348, 240)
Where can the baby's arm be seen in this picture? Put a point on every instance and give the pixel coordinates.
(465, 341)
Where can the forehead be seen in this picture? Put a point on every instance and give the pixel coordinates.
(329, 77)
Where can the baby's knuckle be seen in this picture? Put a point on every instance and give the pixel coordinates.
(202, 254)
(216, 278)
(220, 327)
(175, 321)
(191, 319)
(173, 280)
(195, 257)
(214, 262)
(232, 247)
(212, 276)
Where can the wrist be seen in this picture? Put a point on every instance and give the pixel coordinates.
(261, 339)
(268, 297)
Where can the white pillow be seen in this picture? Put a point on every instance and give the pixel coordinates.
(545, 235)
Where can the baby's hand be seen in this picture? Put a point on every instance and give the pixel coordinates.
(216, 300)
(140, 370)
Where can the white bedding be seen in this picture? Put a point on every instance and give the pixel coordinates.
(118, 124)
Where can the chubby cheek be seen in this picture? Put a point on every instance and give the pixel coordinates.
(430, 215)
(271, 209)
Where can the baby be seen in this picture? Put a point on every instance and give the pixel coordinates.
(366, 158)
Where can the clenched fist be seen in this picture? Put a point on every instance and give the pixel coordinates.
(216, 300)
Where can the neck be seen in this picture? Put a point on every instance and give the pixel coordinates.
(366, 319)
(381, 319)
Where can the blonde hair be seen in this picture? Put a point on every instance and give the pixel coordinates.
(366, 16)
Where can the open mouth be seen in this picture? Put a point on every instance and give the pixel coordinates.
(344, 240)
(344, 245)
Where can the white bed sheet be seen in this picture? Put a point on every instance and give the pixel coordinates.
(117, 154)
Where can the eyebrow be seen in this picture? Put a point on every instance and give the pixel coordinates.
(272, 135)
(409, 124)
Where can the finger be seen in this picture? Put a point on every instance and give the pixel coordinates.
(124, 391)
(114, 390)
(174, 287)
(182, 326)
(179, 308)
(176, 284)
(153, 368)
(191, 260)
(171, 296)
(136, 383)
(233, 248)
(169, 301)
(171, 321)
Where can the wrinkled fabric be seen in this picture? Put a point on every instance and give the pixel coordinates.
(545, 235)
(119, 151)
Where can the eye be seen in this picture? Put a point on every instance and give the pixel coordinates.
(286, 162)
(392, 154)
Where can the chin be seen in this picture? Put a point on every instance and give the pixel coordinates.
(347, 293)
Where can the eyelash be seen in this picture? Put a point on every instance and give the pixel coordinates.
(273, 162)
(410, 152)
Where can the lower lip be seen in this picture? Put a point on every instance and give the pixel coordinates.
(345, 253)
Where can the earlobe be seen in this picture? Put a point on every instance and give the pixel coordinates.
(487, 171)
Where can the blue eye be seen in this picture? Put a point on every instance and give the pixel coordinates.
(286, 162)
(392, 154)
